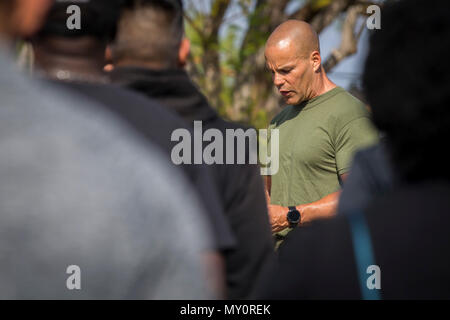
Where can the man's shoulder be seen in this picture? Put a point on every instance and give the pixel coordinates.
(127, 102)
(342, 109)
(69, 155)
(343, 104)
(372, 154)
(144, 115)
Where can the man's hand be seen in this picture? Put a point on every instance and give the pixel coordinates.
(323, 208)
(277, 216)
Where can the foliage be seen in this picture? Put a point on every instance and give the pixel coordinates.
(227, 42)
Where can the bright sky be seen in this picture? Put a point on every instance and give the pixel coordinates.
(349, 70)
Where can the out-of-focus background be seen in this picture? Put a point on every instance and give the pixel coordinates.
(227, 49)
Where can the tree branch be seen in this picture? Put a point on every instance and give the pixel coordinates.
(193, 25)
(349, 40)
(328, 14)
(266, 17)
(305, 13)
(218, 10)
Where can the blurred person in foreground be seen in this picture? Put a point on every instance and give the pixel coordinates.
(320, 129)
(397, 248)
(149, 56)
(74, 59)
(370, 174)
(69, 197)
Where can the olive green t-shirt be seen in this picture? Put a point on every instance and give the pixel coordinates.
(317, 141)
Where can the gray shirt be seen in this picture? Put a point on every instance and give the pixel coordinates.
(371, 175)
(77, 188)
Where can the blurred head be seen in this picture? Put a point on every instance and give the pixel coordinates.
(293, 56)
(98, 19)
(407, 83)
(21, 18)
(79, 49)
(151, 32)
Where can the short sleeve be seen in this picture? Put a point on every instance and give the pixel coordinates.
(265, 151)
(355, 135)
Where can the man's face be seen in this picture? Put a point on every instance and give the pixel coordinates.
(291, 73)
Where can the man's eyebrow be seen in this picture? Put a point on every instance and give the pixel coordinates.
(287, 66)
(284, 67)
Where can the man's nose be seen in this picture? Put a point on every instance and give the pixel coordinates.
(278, 80)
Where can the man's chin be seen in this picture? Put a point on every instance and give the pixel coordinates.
(291, 101)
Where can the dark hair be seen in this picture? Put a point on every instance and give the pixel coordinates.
(407, 83)
(175, 7)
(98, 19)
(150, 30)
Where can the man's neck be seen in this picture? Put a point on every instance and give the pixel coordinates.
(71, 59)
(322, 84)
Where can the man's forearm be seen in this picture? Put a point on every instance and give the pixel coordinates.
(323, 208)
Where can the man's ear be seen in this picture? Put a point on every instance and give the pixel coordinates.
(183, 52)
(316, 60)
(109, 66)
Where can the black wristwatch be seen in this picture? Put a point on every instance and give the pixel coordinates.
(293, 217)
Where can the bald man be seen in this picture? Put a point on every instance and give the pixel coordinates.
(319, 130)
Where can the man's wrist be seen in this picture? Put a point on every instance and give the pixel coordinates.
(293, 217)
(301, 208)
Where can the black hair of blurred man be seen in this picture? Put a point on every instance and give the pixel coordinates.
(407, 83)
(161, 44)
(21, 18)
(76, 54)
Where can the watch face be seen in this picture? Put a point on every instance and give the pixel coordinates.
(293, 216)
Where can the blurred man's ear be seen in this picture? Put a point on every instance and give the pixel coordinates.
(109, 66)
(183, 52)
(316, 60)
(28, 16)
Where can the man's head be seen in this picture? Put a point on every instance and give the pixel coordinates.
(75, 37)
(293, 56)
(407, 83)
(21, 17)
(98, 19)
(151, 33)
